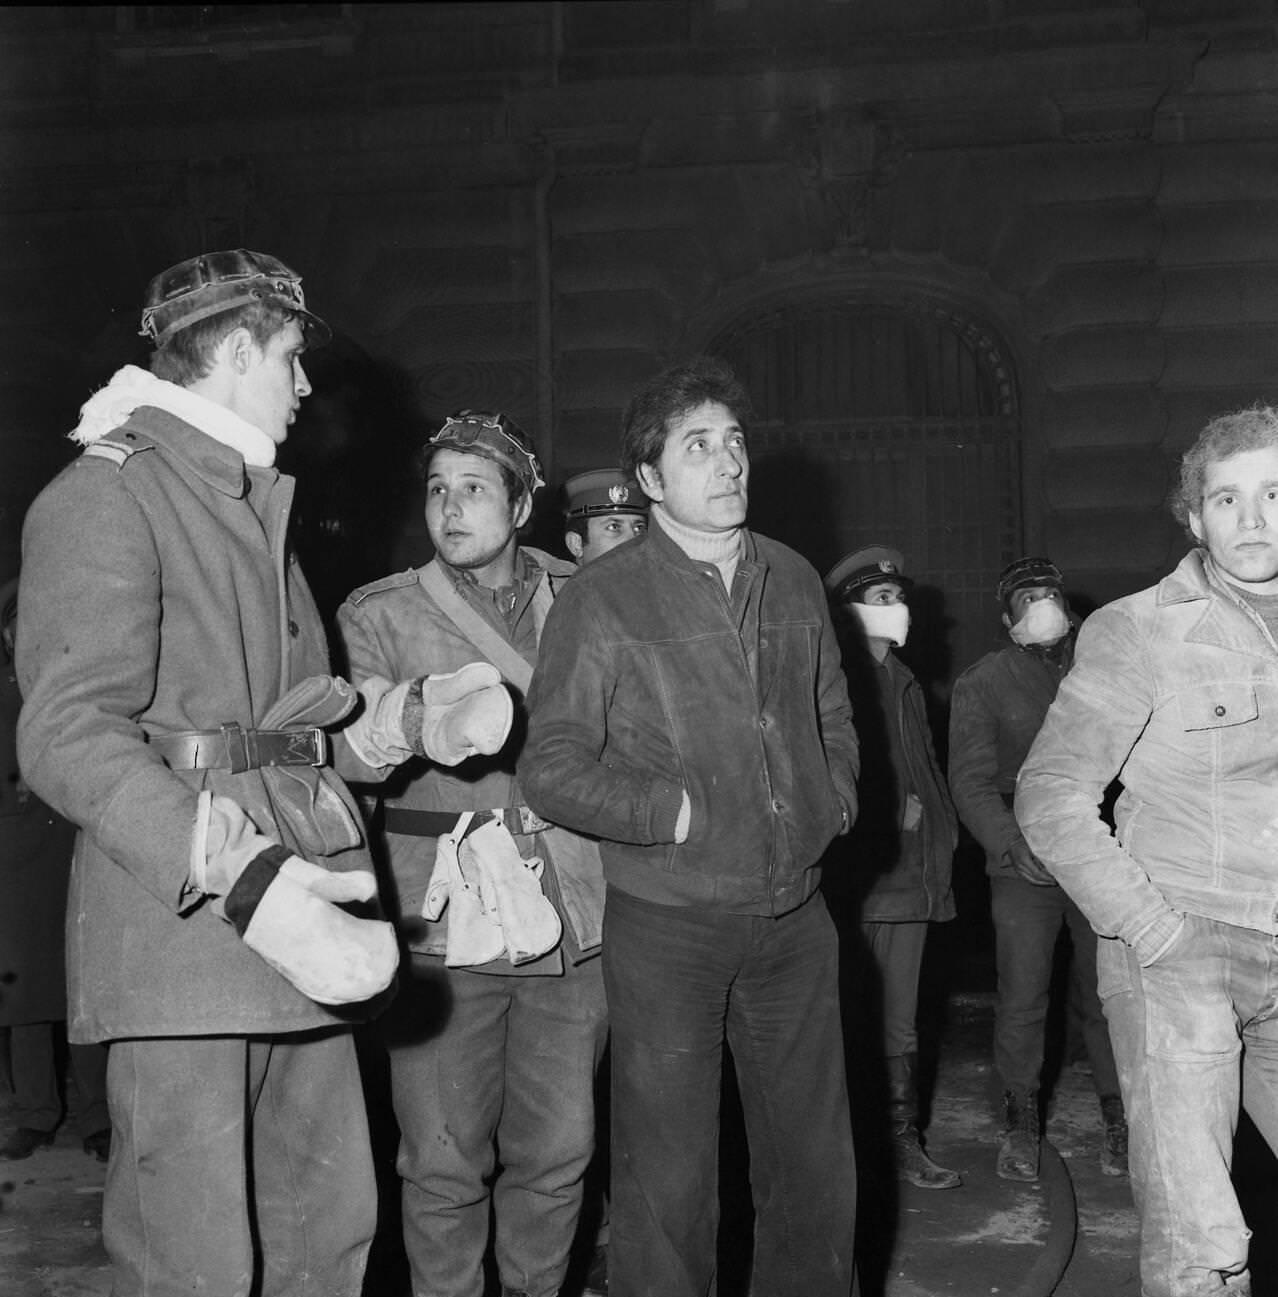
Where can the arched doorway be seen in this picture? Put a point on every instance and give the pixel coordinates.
(889, 419)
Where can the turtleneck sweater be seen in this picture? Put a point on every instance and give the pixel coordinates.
(720, 548)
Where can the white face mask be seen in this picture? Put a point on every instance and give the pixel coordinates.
(888, 621)
(1044, 622)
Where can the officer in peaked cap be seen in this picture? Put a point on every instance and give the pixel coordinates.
(903, 842)
(603, 508)
(865, 567)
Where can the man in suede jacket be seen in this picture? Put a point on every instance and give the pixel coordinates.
(689, 709)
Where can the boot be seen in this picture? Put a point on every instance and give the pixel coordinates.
(1113, 1158)
(912, 1164)
(1019, 1138)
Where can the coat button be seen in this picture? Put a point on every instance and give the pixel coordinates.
(1220, 709)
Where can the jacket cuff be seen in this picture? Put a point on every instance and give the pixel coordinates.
(1152, 943)
(242, 900)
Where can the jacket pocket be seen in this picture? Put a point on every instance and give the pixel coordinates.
(1215, 707)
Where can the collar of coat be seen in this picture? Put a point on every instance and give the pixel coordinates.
(131, 387)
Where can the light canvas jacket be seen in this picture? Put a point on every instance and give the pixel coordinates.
(1174, 691)
(394, 629)
(159, 594)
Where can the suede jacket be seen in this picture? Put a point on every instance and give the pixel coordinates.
(996, 710)
(652, 680)
(1174, 691)
(159, 594)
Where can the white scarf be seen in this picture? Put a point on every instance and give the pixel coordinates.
(132, 387)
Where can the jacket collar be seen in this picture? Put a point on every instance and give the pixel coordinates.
(214, 463)
(1227, 621)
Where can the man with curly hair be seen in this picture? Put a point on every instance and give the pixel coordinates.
(1174, 691)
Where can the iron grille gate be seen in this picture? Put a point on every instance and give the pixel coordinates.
(891, 421)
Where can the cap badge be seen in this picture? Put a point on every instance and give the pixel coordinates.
(886, 565)
(619, 494)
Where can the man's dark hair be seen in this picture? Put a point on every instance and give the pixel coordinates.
(668, 396)
(1255, 428)
(188, 355)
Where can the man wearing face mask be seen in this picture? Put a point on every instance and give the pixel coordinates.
(899, 853)
(997, 708)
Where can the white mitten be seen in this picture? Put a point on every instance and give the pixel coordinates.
(444, 718)
(284, 908)
(451, 717)
(510, 890)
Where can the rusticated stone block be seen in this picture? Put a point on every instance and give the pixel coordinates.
(1200, 296)
(1124, 355)
(674, 262)
(603, 379)
(1222, 170)
(587, 438)
(1220, 233)
(1106, 417)
(1042, 239)
(1101, 539)
(1206, 357)
(1082, 296)
(1062, 173)
(1102, 477)
(626, 320)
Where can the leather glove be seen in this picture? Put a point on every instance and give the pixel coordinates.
(286, 909)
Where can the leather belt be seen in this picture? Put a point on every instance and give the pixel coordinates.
(236, 749)
(434, 824)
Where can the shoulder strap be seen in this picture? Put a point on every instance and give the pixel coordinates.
(484, 637)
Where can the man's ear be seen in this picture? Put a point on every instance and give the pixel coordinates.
(575, 544)
(523, 510)
(1196, 525)
(238, 347)
(650, 479)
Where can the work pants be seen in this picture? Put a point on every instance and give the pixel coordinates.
(680, 982)
(34, 1048)
(493, 1074)
(1193, 1033)
(1027, 924)
(238, 1165)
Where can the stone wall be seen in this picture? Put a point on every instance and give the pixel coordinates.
(535, 206)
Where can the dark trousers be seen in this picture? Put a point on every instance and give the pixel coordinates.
(34, 1048)
(680, 982)
(238, 1165)
(1027, 924)
(487, 1067)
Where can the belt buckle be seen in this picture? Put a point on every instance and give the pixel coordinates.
(528, 820)
(237, 747)
(316, 744)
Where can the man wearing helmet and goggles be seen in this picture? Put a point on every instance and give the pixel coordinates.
(178, 709)
(499, 1024)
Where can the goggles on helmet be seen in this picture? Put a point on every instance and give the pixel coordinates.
(491, 436)
(204, 286)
